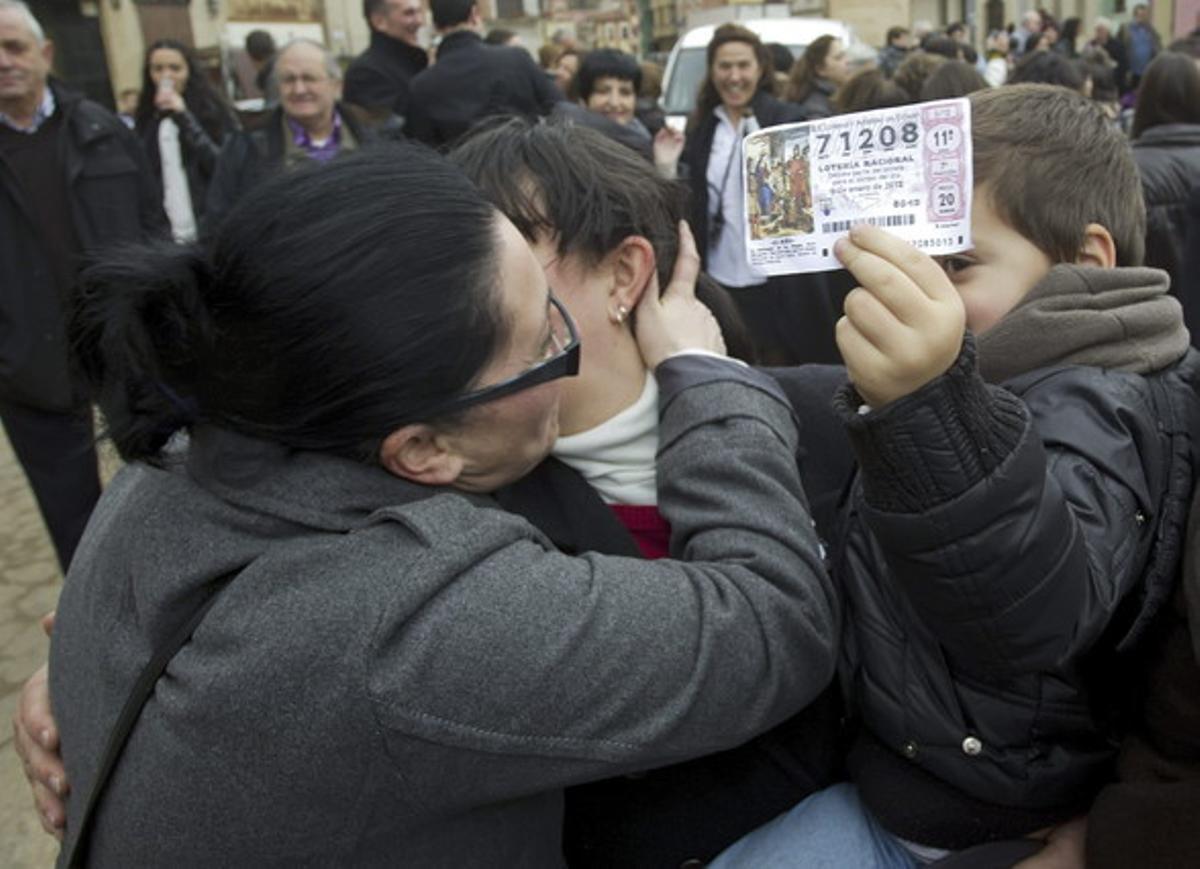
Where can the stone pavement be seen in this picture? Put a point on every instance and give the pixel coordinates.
(29, 586)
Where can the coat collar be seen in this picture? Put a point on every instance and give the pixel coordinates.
(460, 40)
(317, 490)
(411, 56)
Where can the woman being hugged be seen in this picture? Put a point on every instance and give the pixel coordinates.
(394, 668)
(182, 121)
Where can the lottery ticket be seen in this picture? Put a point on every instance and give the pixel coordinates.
(906, 169)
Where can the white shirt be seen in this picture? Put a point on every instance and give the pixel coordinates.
(727, 254)
(177, 196)
(617, 457)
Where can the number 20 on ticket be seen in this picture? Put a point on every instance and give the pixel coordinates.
(906, 169)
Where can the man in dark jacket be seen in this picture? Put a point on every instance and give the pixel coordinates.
(73, 180)
(378, 80)
(309, 124)
(472, 80)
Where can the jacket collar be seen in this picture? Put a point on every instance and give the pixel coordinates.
(314, 489)
(459, 40)
(1169, 134)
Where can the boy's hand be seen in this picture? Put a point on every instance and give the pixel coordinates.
(903, 327)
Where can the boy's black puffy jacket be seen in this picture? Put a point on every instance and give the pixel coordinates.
(998, 546)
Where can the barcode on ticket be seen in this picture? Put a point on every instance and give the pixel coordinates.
(887, 220)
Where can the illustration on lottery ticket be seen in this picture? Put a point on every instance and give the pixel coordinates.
(907, 169)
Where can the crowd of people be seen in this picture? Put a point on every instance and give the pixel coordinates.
(461, 524)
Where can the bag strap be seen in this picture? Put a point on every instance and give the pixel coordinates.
(132, 710)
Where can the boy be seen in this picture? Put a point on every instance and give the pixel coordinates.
(1002, 545)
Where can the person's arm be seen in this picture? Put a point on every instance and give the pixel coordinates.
(35, 738)
(545, 93)
(229, 180)
(376, 93)
(151, 216)
(1011, 529)
(201, 147)
(586, 667)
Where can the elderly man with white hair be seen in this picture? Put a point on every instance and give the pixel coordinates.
(1105, 37)
(310, 124)
(73, 180)
(1031, 23)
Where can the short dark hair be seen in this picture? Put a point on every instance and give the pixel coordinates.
(606, 63)
(1053, 163)
(1047, 67)
(499, 36)
(955, 27)
(372, 7)
(869, 89)
(333, 305)
(781, 56)
(1169, 93)
(895, 33)
(260, 45)
(954, 78)
(945, 46)
(588, 193)
(914, 70)
(448, 13)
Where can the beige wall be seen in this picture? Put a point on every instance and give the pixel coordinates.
(872, 18)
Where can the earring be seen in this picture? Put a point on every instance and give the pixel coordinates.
(622, 313)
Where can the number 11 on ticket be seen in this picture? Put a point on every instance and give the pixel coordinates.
(906, 169)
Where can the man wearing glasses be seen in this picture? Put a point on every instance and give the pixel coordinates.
(310, 124)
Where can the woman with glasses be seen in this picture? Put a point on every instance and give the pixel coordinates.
(391, 668)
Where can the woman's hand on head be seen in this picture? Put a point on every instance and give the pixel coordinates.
(675, 320)
(903, 327)
(35, 737)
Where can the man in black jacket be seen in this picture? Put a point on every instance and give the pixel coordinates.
(309, 124)
(73, 180)
(472, 80)
(378, 79)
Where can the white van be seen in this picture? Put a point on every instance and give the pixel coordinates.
(686, 65)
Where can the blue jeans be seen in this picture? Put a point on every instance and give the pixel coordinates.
(832, 829)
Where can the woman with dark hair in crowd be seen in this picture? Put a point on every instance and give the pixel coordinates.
(814, 78)
(1068, 39)
(954, 78)
(382, 662)
(736, 99)
(183, 122)
(1166, 147)
(914, 70)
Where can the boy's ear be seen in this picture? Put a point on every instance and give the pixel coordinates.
(1098, 248)
(420, 453)
(633, 264)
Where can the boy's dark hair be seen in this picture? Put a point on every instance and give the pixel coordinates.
(1169, 93)
(954, 78)
(895, 33)
(955, 27)
(1047, 67)
(449, 13)
(869, 89)
(606, 63)
(588, 193)
(1052, 163)
(371, 7)
(945, 46)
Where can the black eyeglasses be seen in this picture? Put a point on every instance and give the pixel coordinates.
(562, 361)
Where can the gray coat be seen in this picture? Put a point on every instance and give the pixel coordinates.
(407, 676)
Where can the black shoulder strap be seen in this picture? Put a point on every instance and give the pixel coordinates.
(130, 712)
